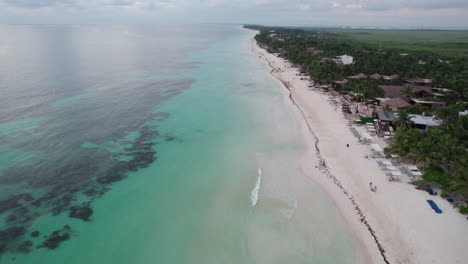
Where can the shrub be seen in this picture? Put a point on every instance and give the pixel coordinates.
(436, 174)
(463, 209)
(366, 120)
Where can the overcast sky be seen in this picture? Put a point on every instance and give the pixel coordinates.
(381, 13)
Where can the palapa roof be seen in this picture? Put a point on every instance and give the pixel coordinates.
(358, 76)
(390, 77)
(395, 102)
(417, 88)
(393, 91)
(376, 76)
(419, 80)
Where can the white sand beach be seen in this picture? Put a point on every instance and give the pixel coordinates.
(395, 224)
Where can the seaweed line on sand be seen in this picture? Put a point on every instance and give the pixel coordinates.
(323, 163)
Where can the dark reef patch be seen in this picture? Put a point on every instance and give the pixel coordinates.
(11, 218)
(81, 212)
(10, 235)
(67, 176)
(54, 240)
(14, 201)
(25, 246)
(84, 178)
(35, 234)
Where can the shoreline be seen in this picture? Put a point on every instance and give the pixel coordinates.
(386, 231)
(324, 171)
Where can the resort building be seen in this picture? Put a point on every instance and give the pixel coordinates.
(385, 121)
(358, 76)
(428, 104)
(394, 91)
(395, 104)
(345, 59)
(376, 76)
(420, 81)
(424, 122)
(390, 77)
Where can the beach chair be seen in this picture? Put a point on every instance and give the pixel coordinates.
(430, 191)
(434, 206)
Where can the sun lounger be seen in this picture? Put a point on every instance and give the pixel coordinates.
(387, 163)
(434, 206)
(393, 178)
(430, 191)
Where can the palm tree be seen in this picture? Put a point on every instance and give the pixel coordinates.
(407, 92)
(403, 120)
(447, 151)
(400, 144)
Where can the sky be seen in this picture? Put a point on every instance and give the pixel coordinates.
(354, 13)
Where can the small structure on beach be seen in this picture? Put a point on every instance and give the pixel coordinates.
(384, 120)
(340, 84)
(385, 116)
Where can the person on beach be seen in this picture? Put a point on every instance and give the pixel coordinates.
(347, 145)
(370, 185)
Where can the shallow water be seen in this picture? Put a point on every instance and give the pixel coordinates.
(152, 140)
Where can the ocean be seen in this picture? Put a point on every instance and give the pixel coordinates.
(147, 144)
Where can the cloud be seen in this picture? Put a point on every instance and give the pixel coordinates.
(375, 5)
(235, 11)
(38, 3)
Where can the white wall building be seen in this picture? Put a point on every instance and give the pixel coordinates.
(346, 59)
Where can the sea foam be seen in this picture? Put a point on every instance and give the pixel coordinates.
(255, 191)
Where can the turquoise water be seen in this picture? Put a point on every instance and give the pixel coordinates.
(197, 143)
